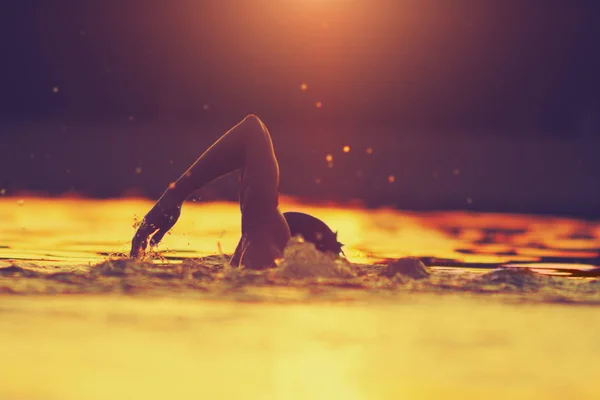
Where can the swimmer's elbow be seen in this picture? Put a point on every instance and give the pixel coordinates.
(255, 130)
(253, 120)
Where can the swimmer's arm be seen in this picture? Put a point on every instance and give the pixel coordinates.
(165, 213)
(226, 155)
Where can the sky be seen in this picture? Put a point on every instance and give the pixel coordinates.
(510, 65)
(151, 83)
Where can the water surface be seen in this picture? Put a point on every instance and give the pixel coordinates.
(79, 321)
(75, 232)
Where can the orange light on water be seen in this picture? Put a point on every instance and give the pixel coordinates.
(106, 227)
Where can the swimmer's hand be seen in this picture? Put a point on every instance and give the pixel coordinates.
(156, 223)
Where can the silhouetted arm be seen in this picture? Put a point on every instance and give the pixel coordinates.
(246, 146)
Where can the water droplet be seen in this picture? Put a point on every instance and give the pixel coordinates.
(138, 170)
(329, 158)
(346, 149)
(391, 179)
(303, 87)
(369, 150)
(20, 202)
(319, 104)
(55, 89)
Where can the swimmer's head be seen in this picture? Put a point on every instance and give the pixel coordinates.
(313, 230)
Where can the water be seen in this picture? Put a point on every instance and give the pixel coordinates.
(89, 324)
(76, 232)
(423, 347)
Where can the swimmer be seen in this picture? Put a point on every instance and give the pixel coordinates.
(265, 230)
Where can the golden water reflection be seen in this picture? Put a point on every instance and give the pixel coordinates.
(416, 347)
(143, 336)
(71, 232)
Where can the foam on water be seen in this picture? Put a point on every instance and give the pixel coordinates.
(302, 274)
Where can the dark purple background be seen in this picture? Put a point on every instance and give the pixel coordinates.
(470, 104)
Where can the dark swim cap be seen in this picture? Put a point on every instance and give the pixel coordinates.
(313, 230)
